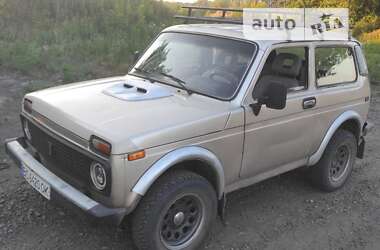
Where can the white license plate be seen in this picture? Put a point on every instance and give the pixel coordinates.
(35, 181)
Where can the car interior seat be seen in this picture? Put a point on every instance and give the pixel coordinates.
(285, 70)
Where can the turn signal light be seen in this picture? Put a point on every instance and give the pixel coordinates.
(101, 146)
(136, 155)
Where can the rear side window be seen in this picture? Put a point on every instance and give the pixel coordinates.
(334, 65)
(363, 68)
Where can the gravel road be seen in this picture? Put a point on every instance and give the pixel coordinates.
(284, 212)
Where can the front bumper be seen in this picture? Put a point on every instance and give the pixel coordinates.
(61, 190)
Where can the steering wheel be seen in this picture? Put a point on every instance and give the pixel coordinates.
(221, 74)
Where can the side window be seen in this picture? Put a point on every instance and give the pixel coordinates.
(287, 66)
(363, 68)
(334, 65)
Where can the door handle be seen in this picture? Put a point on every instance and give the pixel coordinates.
(309, 103)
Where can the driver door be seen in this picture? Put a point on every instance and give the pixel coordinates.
(279, 140)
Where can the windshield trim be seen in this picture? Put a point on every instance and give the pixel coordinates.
(210, 35)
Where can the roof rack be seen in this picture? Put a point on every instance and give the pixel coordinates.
(221, 19)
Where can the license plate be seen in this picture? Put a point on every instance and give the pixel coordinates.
(35, 181)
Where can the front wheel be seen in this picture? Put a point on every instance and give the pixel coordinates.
(176, 213)
(336, 164)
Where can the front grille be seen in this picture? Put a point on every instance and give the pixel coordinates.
(63, 160)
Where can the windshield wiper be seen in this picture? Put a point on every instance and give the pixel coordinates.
(177, 80)
(142, 70)
(146, 72)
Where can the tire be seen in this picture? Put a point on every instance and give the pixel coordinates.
(176, 213)
(336, 164)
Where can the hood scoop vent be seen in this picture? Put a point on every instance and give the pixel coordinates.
(137, 91)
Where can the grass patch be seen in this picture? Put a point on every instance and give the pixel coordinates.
(372, 52)
(36, 85)
(373, 36)
(77, 40)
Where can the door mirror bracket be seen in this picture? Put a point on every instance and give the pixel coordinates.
(256, 108)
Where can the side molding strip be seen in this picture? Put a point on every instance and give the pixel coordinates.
(178, 156)
(334, 127)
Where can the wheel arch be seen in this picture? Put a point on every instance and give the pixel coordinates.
(349, 120)
(193, 158)
(353, 126)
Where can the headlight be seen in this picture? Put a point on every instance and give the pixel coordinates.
(27, 106)
(100, 146)
(26, 130)
(98, 175)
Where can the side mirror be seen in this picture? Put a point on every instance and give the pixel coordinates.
(136, 56)
(274, 97)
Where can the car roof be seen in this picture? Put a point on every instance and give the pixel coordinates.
(229, 30)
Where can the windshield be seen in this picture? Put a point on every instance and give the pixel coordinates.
(207, 65)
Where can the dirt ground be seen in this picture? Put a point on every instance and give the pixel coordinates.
(284, 212)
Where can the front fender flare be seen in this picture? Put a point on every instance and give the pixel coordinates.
(175, 157)
(348, 115)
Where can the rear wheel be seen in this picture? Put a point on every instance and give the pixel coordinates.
(336, 164)
(176, 213)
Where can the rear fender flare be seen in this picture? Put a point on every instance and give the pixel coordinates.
(348, 115)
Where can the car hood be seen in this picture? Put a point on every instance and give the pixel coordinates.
(130, 113)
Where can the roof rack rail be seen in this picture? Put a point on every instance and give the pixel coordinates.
(221, 19)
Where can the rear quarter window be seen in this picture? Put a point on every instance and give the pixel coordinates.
(363, 68)
(334, 65)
